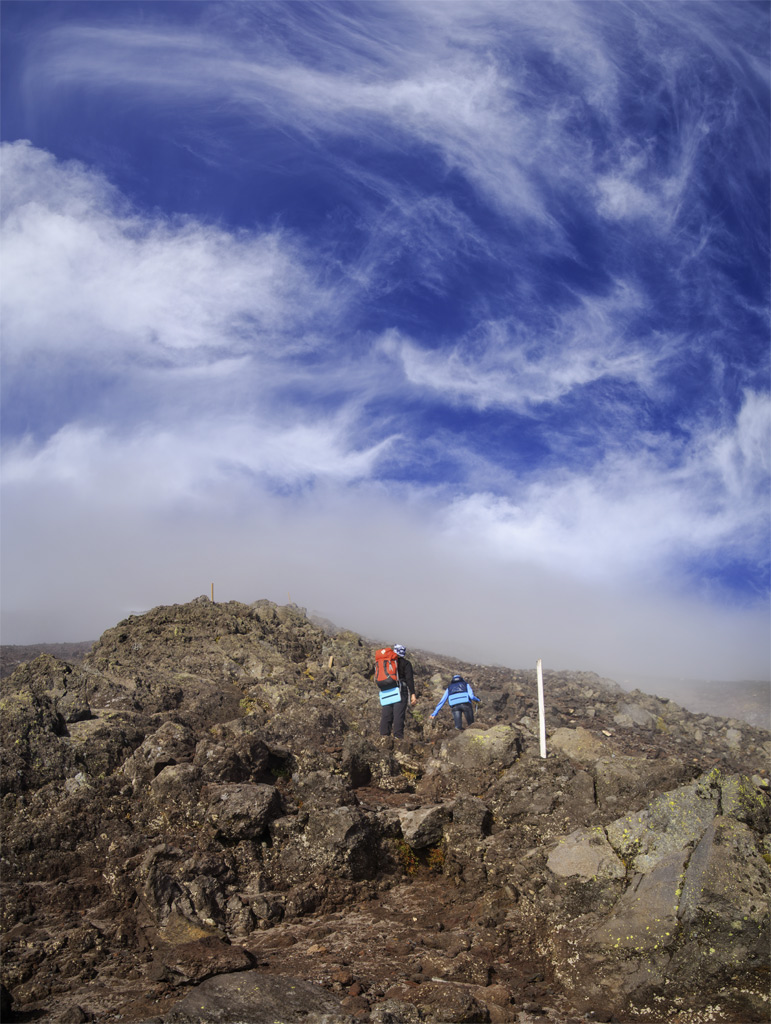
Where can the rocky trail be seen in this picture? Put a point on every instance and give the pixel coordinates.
(201, 823)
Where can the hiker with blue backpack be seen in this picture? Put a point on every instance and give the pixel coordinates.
(459, 695)
(396, 683)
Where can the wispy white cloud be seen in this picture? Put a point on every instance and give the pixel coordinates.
(741, 456)
(638, 513)
(455, 98)
(414, 241)
(193, 461)
(464, 80)
(82, 272)
(523, 365)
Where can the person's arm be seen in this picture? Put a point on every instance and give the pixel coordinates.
(409, 678)
(471, 694)
(409, 675)
(440, 705)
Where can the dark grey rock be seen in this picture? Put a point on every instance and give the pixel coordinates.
(259, 999)
(425, 826)
(240, 810)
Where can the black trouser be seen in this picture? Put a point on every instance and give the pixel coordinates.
(393, 715)
(459, 710)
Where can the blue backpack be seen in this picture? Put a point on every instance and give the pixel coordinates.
(457, 691)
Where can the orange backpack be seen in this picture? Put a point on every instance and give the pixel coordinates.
(386, 668)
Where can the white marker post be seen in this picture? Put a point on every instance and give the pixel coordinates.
(541, 712)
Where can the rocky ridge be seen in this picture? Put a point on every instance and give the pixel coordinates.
(13, 655)
(201, 823)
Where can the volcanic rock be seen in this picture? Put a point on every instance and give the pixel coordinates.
(201, 822)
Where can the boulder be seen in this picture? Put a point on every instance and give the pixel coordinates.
(323, 790)
(724, 913)
(700, 885)
(310, 723)
(587, 854)
(645, 917)
(102, 743)
(233, 752)
(623, 782)
(727, 880)
(325, 842)
(746, 800)
(193, 962)
(579, 803)
(672, 822)
(170, 744)
(474, 749)
(451, 1002)
(66, 685)
(240, 810)
(632, 716)
(176, 791)
(260, 999)
(579, 744)
(32, 753)
(345, 842)
(424, 827)
(472, 813)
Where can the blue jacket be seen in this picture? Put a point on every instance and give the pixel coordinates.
(446, 695)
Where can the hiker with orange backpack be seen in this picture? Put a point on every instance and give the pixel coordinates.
(396, 683)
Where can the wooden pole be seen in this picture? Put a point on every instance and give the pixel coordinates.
(212, 593)
(541, 711)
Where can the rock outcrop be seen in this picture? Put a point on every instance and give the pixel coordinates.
(201, 823)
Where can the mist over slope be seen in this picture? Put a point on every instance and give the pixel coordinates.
(746, 699)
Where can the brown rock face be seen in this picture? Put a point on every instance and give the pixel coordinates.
(201, 823)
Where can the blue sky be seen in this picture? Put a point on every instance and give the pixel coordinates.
(446, 320)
